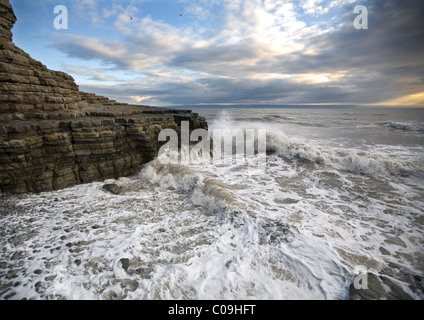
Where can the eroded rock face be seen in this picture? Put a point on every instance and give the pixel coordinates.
(27, 86)
(7, 20)
(54, 136)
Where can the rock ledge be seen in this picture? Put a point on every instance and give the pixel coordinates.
(53, 136)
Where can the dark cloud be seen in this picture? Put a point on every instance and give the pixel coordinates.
(395, 36)
(221, 91)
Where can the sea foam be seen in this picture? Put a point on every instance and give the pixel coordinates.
(352, 160)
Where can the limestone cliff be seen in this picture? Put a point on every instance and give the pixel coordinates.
(54, 136)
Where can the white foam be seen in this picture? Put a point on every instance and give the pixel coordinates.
(203, 190)
(365, 162)
(221, 232)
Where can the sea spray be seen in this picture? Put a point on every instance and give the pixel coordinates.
(297, 230)
(203, 190)
(357, 161)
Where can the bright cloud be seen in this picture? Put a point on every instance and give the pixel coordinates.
(141, 99)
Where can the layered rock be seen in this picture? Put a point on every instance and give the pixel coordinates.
(27, 86)
(54, 136)
(7, 20)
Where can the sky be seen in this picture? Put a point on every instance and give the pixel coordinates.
(233, 52)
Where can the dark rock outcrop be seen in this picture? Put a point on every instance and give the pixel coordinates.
(54, 136)
(113, 188)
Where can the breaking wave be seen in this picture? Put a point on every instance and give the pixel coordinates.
(418, 127)
(203, 190)
(351, 160)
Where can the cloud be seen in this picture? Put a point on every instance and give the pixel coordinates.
(314, 7)
(269, 52)
(141, 99)
(88, 10)
(91, 73)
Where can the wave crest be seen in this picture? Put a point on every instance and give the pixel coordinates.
(205, 191)
(417, 127)
(342, 159)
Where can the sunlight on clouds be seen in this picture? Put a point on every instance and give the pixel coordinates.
(310, 52)
(413, 100)
(310, 6)
(141, 99)
(317, 78)
(271, 26)
(268, 29)
(304, 78)
(240, 50)
(270, 76)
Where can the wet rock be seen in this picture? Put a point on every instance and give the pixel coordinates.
(39, 287)
(12, 274)
(10, 295)
(17, 255)
(111, 295)
(125, 263)
(127, 284)
(50, 278)
(379, 288)
(144, 273)
(384, 251)
(38, 271)
(113, 188)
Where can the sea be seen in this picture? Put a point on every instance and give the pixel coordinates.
(337, 204)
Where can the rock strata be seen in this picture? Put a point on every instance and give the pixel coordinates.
(54, 136)
(7, 20)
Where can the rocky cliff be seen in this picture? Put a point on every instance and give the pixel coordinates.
(54, 136)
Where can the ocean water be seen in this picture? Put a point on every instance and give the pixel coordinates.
(341, 195)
